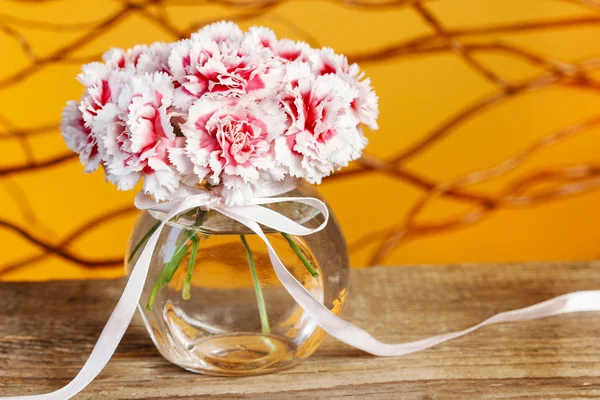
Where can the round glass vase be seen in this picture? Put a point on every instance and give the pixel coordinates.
(212, 303)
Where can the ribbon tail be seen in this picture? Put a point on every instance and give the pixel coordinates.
(113, 331)
(361, 339)
(119, 320)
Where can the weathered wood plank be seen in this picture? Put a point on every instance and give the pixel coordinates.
(48, 329)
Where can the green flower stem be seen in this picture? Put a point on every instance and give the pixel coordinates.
(300, 255)
(262, 310)
(167, 273)
(143, 240)
(185, 293)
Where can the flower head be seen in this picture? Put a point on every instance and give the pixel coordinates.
(79, 137)
(140, 134)
(231, 142)
(217, 66)
(80, 127)
(99, 92)
(325, 61)
(322, 129)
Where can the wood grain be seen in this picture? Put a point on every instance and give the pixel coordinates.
(48, 329)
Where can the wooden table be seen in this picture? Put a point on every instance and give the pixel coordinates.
(47, 330)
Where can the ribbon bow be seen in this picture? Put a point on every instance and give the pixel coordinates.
(253, 215)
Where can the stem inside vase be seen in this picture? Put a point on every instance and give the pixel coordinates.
(190, 243)
(262, 309)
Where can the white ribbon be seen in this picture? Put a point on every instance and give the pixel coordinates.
(251, 216)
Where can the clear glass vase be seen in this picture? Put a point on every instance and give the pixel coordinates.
(212, 302)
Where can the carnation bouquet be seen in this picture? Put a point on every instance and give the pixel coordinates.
(232, 109)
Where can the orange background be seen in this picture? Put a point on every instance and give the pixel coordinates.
(521, 75)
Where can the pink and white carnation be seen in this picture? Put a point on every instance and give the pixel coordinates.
(285, 49)
(143, 59)
(117, 59)
(140, 133)
(289, 50)
(79, 138)
(95, 77)
(79, 120)
(237, 110)
(321, 134)
(230, 142)
(325, 61)
(216, 65)
(155, 59)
